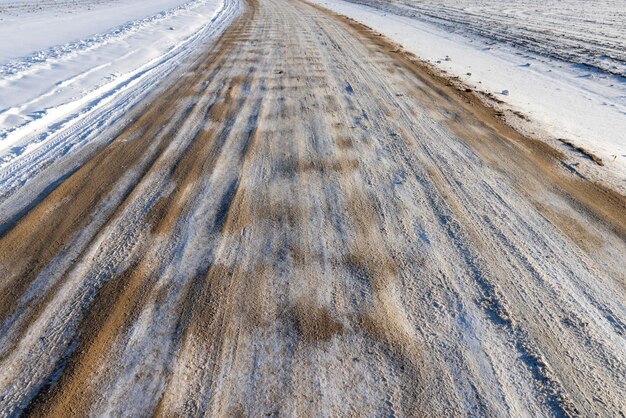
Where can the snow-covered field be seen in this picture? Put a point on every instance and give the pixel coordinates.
(578, 31)
(560, 64)
(69, 70)
(29, 27)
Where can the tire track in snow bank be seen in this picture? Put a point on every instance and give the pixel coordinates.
(93, 120)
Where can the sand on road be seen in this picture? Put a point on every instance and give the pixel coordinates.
(309, 223)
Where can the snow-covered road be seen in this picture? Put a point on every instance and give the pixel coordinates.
(306, 222)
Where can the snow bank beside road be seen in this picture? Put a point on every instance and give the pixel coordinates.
(584, 106)
(64, 97)
(570, 30)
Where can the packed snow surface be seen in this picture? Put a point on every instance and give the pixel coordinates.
(561, 64)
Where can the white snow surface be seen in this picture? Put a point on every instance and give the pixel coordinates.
(69, 70)
(561, 65)
(28, 26)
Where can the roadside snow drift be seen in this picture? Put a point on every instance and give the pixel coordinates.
(61, 98)
(560, 70)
